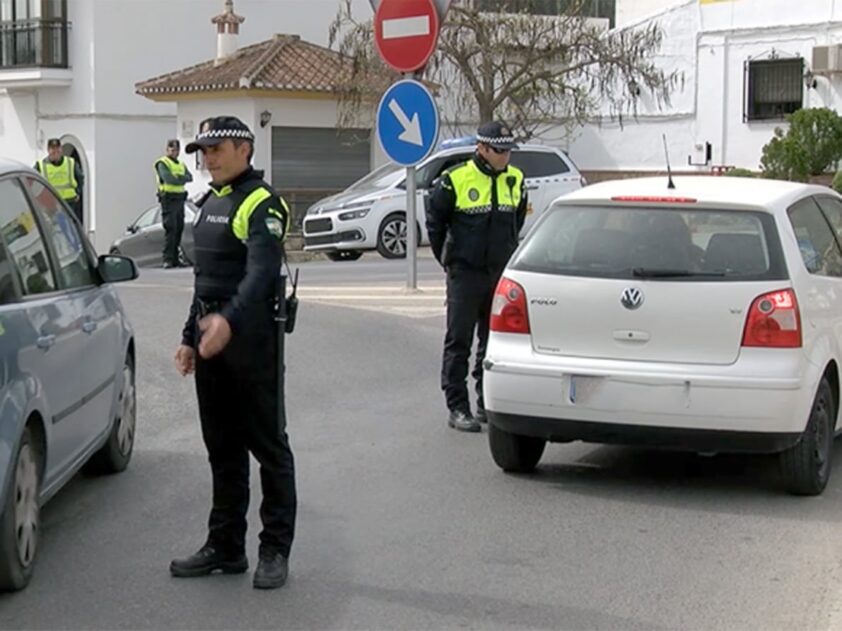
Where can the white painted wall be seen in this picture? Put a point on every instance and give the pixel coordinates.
(633, 10)
(113, 45)
(709, 43)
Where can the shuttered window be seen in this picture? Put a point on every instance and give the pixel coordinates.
(774, 88)
(309, 163)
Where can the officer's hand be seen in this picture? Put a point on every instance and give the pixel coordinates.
(185, 360)
(216, 333)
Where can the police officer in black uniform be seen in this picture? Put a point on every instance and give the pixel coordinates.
(474, 217)
(230, 342)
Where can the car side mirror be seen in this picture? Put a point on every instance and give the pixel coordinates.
(114, 268)
(131, 229)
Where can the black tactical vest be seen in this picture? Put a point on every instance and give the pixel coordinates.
(221, 258)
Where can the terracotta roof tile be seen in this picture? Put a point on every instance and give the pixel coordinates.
(284, 62)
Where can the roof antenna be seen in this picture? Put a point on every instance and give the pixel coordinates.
(670, 183)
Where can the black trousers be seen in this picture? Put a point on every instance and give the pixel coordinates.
(469, 296)
(238, 405)
(172, 214)
(76, 207)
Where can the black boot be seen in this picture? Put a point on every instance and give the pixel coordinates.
(272, 571)
(463, 421)
(206, 561)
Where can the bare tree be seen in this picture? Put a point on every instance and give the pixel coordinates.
(496, 59)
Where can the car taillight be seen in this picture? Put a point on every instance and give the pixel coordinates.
(774, 321)
(508, 309)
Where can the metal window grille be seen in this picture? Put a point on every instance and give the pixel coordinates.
(773, 88)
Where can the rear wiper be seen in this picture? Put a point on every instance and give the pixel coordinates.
(642, 272)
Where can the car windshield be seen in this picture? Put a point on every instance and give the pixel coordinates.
(381, 177)
(670, 244)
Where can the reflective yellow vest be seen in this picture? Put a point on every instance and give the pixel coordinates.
(62, 177)
(178, 169)
(473, 189)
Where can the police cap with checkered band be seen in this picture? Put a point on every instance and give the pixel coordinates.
(215, 130)
(497, 135)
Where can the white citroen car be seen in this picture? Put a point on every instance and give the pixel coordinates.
(371, 214)
(705, 317)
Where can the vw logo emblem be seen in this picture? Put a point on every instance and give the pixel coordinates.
(632, 298)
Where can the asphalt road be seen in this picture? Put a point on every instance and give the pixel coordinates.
(406, 524)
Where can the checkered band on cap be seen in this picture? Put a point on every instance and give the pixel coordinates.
(226, 133)
(499, 140)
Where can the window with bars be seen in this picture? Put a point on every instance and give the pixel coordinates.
(773, 88)
(33, 33)
(590, 8)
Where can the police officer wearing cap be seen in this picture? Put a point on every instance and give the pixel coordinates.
(229, 341)
(474, 217)
(172, 175)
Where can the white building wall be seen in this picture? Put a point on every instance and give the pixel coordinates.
(633, 10)
(710, 43)
(113, 44)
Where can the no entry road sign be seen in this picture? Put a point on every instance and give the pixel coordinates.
(406, 32)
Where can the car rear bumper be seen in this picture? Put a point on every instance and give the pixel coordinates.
(582, 399)
(678, 438)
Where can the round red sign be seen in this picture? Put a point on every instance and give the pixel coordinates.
(406, 32)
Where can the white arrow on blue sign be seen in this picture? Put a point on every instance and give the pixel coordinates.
(407, 122)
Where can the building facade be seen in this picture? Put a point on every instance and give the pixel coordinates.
(745, 65)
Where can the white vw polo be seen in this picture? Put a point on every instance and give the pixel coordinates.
(704, 317)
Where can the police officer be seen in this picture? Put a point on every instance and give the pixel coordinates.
(229, 340)
(172, 175)
(64, 174)
(475, 214)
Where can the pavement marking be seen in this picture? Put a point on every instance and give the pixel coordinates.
(426, 302)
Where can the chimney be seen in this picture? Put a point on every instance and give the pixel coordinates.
(227, 30)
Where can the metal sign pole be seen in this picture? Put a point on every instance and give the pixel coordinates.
(411, 231)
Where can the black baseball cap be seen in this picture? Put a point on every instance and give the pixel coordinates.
(213, 131)
(496, 134)
(173, 144)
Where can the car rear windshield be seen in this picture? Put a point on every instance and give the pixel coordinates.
(657, 243)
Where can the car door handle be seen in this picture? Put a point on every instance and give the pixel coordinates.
(45, 341)
(532, 187)
(89, 327)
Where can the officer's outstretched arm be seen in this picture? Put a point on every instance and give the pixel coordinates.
(263, 230)
(441, 204)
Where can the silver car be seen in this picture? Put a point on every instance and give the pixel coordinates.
(371, 214)
(67, 354)
(144, 237)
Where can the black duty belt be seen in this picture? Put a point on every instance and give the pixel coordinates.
(206, 307)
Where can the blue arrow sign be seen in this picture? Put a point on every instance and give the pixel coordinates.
(407, 122)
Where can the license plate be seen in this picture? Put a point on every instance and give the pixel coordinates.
(581, 387)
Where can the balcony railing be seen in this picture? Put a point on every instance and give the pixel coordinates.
(33, 43)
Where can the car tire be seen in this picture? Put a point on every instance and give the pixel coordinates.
(115, 454)
(344, 255)
(514, 453)
(391, 237)
(19, 523)
(806, 465)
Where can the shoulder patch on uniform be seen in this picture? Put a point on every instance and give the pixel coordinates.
(473, 194)
(275, 227)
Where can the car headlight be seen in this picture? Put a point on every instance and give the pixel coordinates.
(354, 214)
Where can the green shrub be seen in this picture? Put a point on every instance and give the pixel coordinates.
(738, 172)
(811, 145)
(836, 184)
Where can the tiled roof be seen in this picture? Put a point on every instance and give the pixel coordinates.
(284, 62)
